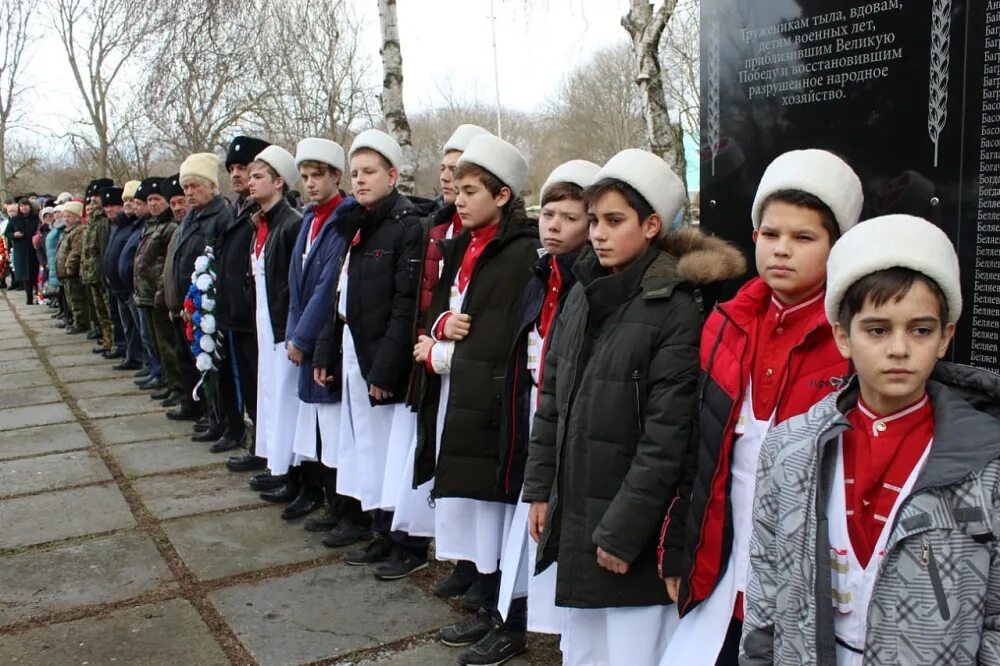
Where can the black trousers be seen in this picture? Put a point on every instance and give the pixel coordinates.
(238, 383)
(318, 481)
(382, 524)
(185, 361)
(729, 655)
(29, 291)
(118, 330)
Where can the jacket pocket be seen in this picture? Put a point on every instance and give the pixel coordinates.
(934, 573)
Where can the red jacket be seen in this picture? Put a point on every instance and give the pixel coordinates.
(438, 225)
(697, 535)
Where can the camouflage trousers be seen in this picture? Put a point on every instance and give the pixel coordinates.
(163, 338)
(102, 312)
(76, 297)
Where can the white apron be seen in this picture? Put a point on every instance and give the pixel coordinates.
(617, 636)
(519, 551)
(853, 584)
(701, 633)
(413, 514)
(277, 377)
(467, 529)
(325, 416)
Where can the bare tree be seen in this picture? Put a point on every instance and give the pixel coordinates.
(392, 90)
(680, 49)
(322, 90)
(15, 19)
(100, 37)
(645, 26)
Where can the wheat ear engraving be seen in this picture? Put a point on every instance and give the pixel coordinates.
(713, 88)
(937, 104)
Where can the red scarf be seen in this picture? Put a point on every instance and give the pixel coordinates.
(321, 213)
(551, 301)
(261, 236)
(480, 239)
(456, 225)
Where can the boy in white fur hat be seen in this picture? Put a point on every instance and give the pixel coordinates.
(472, 327)
(615, 410)
(766, 355)
(874, 525)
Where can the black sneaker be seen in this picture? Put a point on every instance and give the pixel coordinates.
(377, 551)
(346, 533)
(401, 564)
(468, 631)
(458, 582)
(495, 648)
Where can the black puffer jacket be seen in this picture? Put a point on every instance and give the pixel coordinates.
(234, 307)
(198, 228)
(383, 274)
(615, 415)
(283, 223)
(469, 456)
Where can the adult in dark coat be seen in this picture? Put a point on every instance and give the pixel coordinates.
(125, 225)
(20, 230)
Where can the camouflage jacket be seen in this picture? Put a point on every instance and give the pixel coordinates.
(70, 253)
(95, 242)
(150, 256)
(937, 596)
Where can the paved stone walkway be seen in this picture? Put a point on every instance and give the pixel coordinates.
(123, 542)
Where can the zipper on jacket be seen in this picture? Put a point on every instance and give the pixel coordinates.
(636, 378)
(928, 560)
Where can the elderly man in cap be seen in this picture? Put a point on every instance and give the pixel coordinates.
(96, 233)
(209, 215)
(124, 225)
(235, 303)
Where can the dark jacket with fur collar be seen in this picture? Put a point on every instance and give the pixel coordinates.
(616, 409)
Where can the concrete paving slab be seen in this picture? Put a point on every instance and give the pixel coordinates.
(154, 635)
(42, 518)
(29, 475)
(34, 415)
(199, 491)
(431, 653)
(17, 353)
(21, 365)
(65, 357)
(84, 373)
(116, 385)
(22, 380)
(23, 397)
(222, 545)
(42, 439)
(140, 427)
(315, 614)
(98, 571)
(158, 456)
(123, 405)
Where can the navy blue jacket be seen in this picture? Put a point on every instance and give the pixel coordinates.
(311, 292)
(126, 262)
(123, 228)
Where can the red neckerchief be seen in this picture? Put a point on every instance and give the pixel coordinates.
(550, 304)
(321, 213)
(261, 236)
(480, 238)
(880, 453)
(778, 332)
(456, 224)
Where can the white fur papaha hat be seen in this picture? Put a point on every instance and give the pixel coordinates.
(891, 241)
(461, 137)
(578, 172)
(819, 173)
(200, 165)
(320, 150)
(281, 161)
(498, 157)
(381, 143)
(652, 177)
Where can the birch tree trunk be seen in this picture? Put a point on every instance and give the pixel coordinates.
(645, 26)
(392, 91)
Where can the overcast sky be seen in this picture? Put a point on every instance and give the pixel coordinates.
(447, 52)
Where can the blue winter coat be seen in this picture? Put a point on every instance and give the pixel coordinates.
(311, 292)
(120, 233)
(51, 244)
(126, 262)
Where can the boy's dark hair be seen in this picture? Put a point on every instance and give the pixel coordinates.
(270, 170)
(322, 167)
(561, 191)
(882, 286)
(635, 200)
(805, 200)
(489, 180)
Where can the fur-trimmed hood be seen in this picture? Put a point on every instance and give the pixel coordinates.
(703, 259)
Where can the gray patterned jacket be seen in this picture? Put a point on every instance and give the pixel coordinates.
(937, 598)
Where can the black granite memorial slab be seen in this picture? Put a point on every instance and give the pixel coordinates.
(907, 91)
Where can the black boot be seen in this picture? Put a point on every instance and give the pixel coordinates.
(458, 582)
